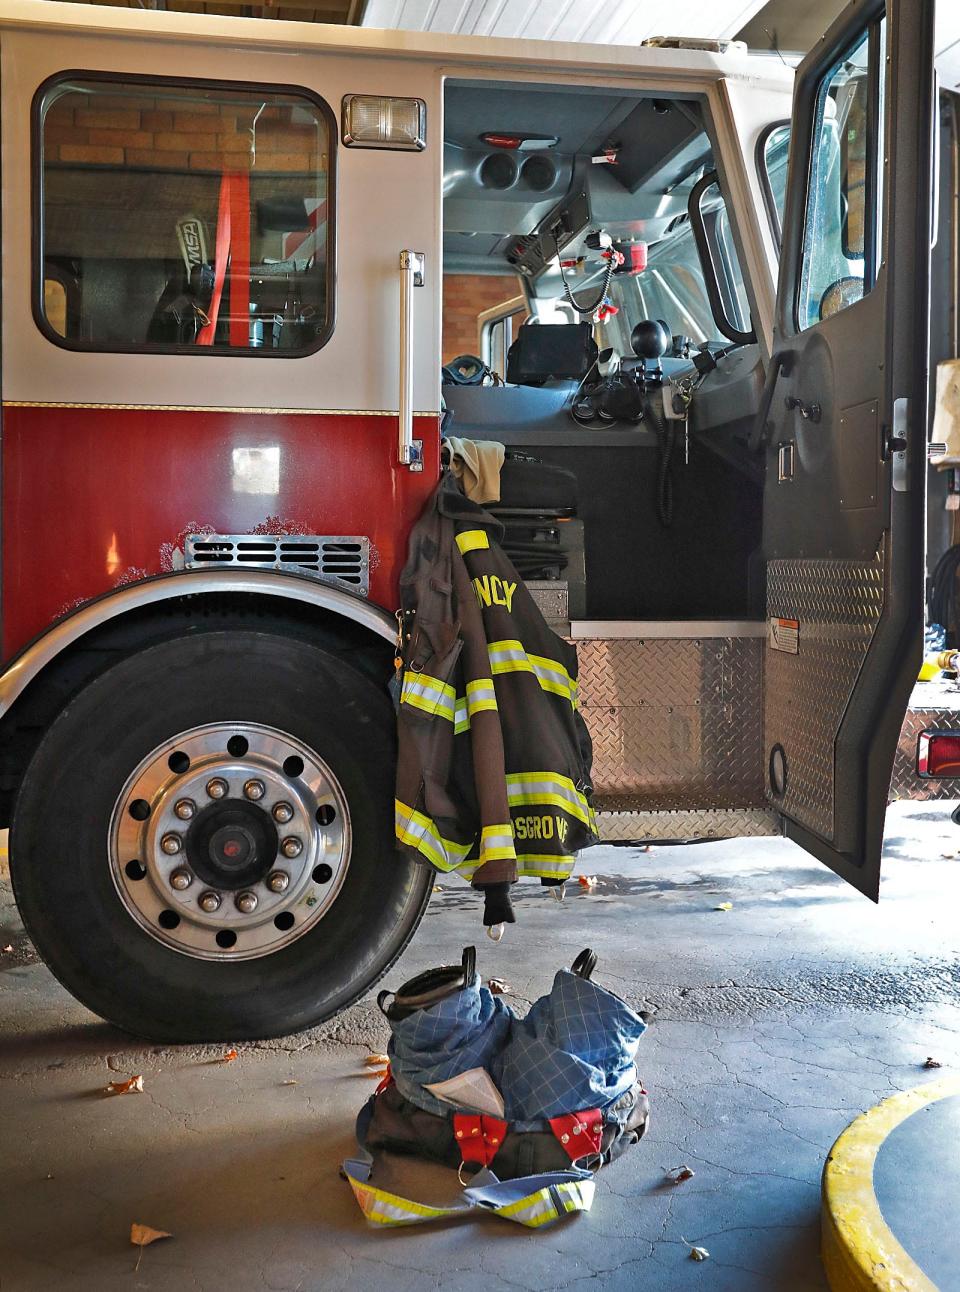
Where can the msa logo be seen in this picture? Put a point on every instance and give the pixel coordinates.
(540, 827)
(192, 245)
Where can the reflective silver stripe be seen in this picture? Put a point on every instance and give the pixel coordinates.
(481, 695)
(496, 843)
(429, 694)
(544, 787)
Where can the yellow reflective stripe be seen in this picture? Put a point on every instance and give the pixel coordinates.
(545, 865)
(384, 1208)
(548, 789)
(509, 656)
(496, 843)
(428, 694)
(472, 540)
(417, 831)
(481, 695)
(461, 716)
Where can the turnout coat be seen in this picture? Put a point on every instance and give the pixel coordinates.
(493, 776)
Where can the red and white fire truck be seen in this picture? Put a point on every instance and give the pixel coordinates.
(231, 251)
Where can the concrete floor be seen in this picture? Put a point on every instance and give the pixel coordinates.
(775, 1023)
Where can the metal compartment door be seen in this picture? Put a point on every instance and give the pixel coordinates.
(844, 428)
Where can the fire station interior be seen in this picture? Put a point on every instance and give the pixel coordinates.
(573, 294)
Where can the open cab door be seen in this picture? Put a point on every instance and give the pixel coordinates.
(843, 425)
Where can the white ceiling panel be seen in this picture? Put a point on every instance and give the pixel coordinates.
(614, 22)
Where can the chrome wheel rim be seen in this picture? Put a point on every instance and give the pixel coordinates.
(229, 841)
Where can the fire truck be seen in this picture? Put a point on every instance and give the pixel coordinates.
(235, 256)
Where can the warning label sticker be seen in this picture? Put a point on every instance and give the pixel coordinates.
(785, 635)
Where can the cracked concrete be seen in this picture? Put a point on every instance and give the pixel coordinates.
(774, 1023)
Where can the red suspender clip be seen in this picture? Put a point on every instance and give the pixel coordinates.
(579, 1133)
(478, 1137)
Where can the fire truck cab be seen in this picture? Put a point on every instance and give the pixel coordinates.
(241, 271)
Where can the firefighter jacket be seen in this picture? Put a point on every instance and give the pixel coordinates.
(494, 757)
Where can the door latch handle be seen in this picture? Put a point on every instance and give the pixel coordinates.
(809, 412)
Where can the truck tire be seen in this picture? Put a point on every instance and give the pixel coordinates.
(202, 847)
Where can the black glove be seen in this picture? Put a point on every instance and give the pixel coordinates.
(496, 904)
(551, 881)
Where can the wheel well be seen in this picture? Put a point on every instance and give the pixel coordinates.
(23, 727)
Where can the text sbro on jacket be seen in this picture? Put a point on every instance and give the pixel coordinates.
(493, 777)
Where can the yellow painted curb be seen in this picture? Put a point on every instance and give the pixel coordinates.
(859, 1251)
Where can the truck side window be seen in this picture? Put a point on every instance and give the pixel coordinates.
(773, 173)
(186, 218)
(841, 235)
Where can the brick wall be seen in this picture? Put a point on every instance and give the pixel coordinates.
(179, 134)
(465, 296)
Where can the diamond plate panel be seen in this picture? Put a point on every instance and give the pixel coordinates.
(838, 604)
(623, 827)
(676, 723)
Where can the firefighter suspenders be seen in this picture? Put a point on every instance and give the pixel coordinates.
(533, 1201)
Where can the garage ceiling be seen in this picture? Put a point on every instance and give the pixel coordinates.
(616, 21)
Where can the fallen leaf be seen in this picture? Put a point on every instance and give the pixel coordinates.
(376, 1072)
(948, 856)
(724, 906)
(8, 948)
(678, 1174)
(932, 1063)
(498, 986)
(587, 881)
(142, 1236)
(438, 888)
(229, 1057)
(291, 1082)
(696, 1253)
(376, 1060)
(132, 1087)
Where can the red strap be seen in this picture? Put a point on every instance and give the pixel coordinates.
(222, 255)
(240, 259)
(386, 1082)
(478, 1137)
(579, 1133)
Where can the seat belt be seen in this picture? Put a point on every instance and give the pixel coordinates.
(533, 1200)
(233, 250)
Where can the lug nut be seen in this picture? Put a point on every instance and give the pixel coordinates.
(217, 788)
(254, 789)
(282, 812)
(278, 881)
(181, 879)
(291, 847)
(171, 844)
(209, 901)
(246, 903)
(184, 808)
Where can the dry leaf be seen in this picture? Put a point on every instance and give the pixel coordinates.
(376, 1060)
(498, 986)
(8, 948)
(132, 1087)
(291, 1082)
(587, 881)
(932, 1063)
(229, 1057)
(696, 1253)
(680, 1173)
(438, 888)
(724, 906)
(142, 1236)
(376, 1072)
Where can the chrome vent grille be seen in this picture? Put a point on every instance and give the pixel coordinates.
(340, 559)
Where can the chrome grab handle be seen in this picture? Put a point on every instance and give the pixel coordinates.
(409, 450)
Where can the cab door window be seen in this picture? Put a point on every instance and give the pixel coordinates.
(190, 217)
(842, 226)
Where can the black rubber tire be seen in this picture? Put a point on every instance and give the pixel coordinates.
(58, 839)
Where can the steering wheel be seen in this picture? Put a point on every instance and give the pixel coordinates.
(465, 370)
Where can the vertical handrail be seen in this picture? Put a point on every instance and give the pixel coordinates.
(411, 275)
